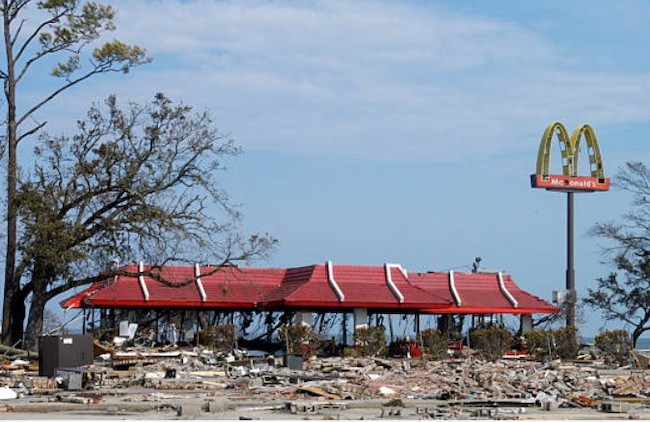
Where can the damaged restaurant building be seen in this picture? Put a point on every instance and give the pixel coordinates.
(179, 301)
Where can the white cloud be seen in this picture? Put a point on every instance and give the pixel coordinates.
(388, 80)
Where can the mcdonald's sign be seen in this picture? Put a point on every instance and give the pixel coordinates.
(569, 181)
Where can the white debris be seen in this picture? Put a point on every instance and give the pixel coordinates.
(7, 393)
(386, 391)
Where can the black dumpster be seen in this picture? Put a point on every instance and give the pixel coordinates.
(63, 352)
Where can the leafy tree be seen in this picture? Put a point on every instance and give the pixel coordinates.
(624, 295)
(551, 344)
(615, 347)
(492, 342)
(38, 33)
(139, 181)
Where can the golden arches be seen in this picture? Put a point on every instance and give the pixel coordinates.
(570, 148)
(544, 154)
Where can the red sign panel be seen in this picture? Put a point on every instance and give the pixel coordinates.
(568, 183)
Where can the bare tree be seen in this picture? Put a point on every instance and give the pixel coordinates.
(51, 320)
(624, 295)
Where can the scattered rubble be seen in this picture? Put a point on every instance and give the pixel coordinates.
(464, 387)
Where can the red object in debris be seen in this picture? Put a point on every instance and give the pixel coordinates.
(405, 349)
(455, 345)
(516, 354)
(414, 349)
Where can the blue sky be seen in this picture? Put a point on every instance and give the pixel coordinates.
(385, 131)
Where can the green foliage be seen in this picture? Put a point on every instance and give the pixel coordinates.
(219, 337)
(566, 341)
(39, 33)
(136, 181)
(117, 52)
(91, 193)
(456, 323)
(73, 26)
(539, 344)
(615, 347)
(351, 352)
(394, 403)
(327, 348)
(300, 339)
(491, 342)
(552, 344)
(371, 341)
(435, 343)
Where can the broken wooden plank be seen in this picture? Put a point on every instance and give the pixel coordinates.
(318, 392)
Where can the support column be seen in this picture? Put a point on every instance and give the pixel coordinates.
(360, 318)
(92, 321)
(360, 321)
(443, 325)
(526, 323)
(303, 318)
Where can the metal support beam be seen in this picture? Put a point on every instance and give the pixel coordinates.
(570, 269)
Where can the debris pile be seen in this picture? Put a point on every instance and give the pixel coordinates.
(331, 384)
(472, 379)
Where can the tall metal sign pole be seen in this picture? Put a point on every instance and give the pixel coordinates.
(570, 267)
(570, 182)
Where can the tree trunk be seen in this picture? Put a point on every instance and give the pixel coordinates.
(9, 319)
(35, 320)
(41, 278)
(16, 307)
(636, 334)
(269, 326)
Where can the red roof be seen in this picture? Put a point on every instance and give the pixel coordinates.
(226, 287)
(77, 301)
(481, 293)
(323, 286)
(352, 286)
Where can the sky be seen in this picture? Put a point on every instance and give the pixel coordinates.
(402, 131)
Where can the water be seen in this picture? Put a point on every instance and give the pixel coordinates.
(642, 342)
